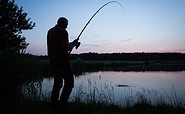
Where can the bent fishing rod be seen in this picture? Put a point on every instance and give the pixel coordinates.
(93, 17)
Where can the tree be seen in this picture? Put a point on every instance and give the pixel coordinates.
(12, 21)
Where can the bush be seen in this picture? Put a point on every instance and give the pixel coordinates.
(15, 70)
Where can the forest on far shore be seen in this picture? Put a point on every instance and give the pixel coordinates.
(126, 56)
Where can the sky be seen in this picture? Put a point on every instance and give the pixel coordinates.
(140, 26)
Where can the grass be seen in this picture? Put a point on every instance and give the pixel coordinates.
(95, 105)
(174, 100)
(100, 101)
(43, 107)
(105, 95)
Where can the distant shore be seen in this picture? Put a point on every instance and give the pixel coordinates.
(93, 66)
(87, 62)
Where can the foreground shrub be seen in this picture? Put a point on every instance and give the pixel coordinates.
(15, 70)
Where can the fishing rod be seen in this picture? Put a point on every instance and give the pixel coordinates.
(93, 17)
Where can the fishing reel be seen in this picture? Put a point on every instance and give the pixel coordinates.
(78, 44)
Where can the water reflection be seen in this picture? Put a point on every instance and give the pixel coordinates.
(124, 85)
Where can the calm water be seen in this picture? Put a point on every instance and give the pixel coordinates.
(118, 86)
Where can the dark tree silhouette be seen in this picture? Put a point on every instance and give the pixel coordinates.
(12, 21)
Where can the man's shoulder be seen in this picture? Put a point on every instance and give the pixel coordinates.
(55, 28)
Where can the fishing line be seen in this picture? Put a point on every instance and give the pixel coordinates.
(95, 15)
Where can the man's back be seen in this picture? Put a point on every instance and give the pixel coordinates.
(57, 42)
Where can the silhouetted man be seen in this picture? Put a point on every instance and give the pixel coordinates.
(59, 49)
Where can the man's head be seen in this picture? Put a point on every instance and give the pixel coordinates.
(62, 22)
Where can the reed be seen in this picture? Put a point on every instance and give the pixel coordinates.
(100, 101)
(105, 95)
(173, 99)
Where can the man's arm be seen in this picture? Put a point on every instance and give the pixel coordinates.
(71, 45)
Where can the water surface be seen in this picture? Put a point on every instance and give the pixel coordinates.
(113, 86)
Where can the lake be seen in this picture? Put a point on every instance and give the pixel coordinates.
(126, 87)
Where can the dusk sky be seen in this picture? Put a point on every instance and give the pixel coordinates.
(144, 26)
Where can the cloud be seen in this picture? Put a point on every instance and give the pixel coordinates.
(125, 40)
(91, 45)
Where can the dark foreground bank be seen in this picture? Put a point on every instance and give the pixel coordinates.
(43, 107)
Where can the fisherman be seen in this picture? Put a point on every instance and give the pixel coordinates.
(59, 49)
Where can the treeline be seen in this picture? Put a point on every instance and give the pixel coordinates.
(127, 56)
